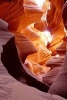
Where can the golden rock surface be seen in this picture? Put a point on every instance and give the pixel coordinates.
(28, 22)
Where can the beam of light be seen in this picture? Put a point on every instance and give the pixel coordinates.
(40, 2)
(46, 37)
(49, 36)
(65, 31)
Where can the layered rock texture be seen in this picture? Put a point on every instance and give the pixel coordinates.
(31, 22)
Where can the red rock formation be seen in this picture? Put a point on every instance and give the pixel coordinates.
(55, 23)
(20, 15)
